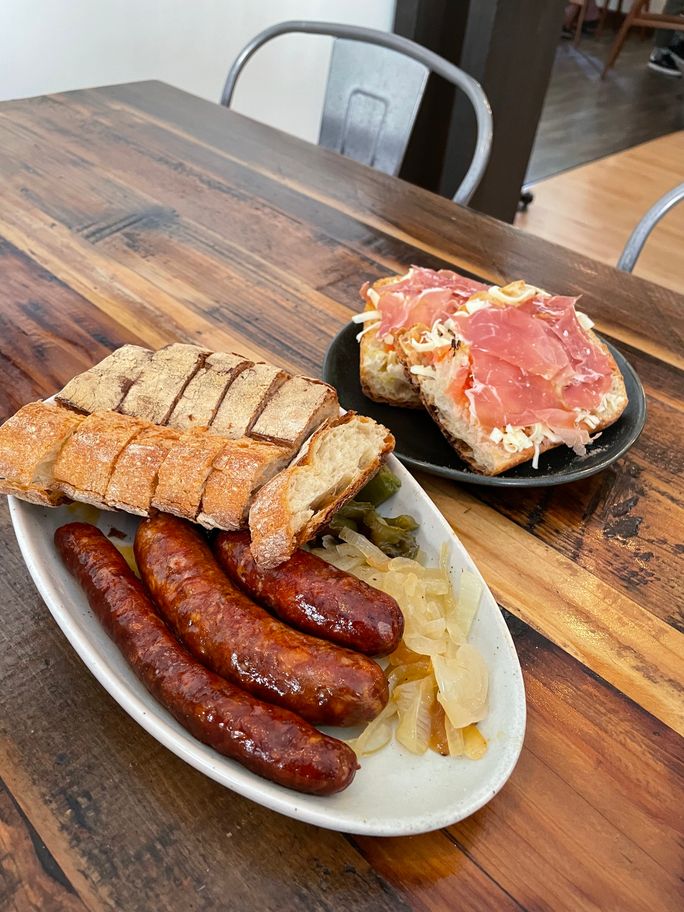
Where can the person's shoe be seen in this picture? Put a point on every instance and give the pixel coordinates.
(676, 51)
(664, 63)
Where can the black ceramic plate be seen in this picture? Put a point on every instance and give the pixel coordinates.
(421, 445)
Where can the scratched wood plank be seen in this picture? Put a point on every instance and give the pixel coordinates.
(128, 822)
(30, 878)
(597, 775)
(628, 307)
(48, 331)
(612, 634)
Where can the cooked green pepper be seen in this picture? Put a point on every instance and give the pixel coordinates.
(390, 538)
(380, 488)
(392, 534)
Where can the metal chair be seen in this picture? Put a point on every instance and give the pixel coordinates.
(639, 236)
(373, 95)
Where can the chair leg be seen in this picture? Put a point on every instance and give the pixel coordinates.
(580, 22)
(602, 18)
(622, 35)
(644, 29)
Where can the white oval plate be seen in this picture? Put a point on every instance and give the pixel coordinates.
(395, 793)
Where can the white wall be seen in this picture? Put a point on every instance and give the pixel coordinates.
(57, 45)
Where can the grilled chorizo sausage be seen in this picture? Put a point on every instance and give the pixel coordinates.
(270, 741)
(315, 597)
(241, 641)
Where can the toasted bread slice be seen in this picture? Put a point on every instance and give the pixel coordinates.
(240, 469)
(470, 440)
(30, 442)
(203, 394)
(294, 412)
(162, 382)
(103, 387)
(183, 474)
(86, 462)
(382, 375)
(246, 398)
(338, 460)
(134, 479)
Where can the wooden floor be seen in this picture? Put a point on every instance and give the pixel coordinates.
(585, 118)
(593, 208)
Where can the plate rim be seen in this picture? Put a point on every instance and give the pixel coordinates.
(504, 481)
(236, 777)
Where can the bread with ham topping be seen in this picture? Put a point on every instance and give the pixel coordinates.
(382, 375)
(474, 443)
(396, 303)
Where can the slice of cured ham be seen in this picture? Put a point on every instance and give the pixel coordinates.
(533, 363)
(423, 296)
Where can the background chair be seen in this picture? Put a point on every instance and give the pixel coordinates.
(639, 236)
(639, 15)
(375, 85)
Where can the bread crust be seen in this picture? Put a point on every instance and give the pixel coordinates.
(134, 480)
(183, 473)
(294, 412)
(162, 381)
(203, 395)
(246, 398)
(275, 529)
(241, 468)
(30, 442)
(104, 386)
(86, 461)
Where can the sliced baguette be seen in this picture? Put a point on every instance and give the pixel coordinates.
(202, 396)
(246, 398)
(85, 464)
(289, 509)
(134, 479)
(382, 377)
(240, 469)
(183, 474)
(294, 412)
(103, 387)
(465, 434)
(162, 382)
(30, 442)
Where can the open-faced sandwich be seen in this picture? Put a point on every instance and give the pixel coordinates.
(506, 372)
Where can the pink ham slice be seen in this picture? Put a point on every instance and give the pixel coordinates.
(424, 296)
(517, 337)
(534, 363)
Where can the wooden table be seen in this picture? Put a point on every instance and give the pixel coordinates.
(141, 214)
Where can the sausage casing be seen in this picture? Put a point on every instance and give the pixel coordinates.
(268, 740)
(241, 641)
(315, 597)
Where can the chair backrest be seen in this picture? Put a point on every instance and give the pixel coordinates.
(371, 102)
(645, 226)
(362, 119)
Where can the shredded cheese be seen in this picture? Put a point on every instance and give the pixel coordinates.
(367, 329)
(584, 321)
(421, 370)
(366, 315)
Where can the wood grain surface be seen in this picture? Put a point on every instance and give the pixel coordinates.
(570, 208)
(141, 214)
